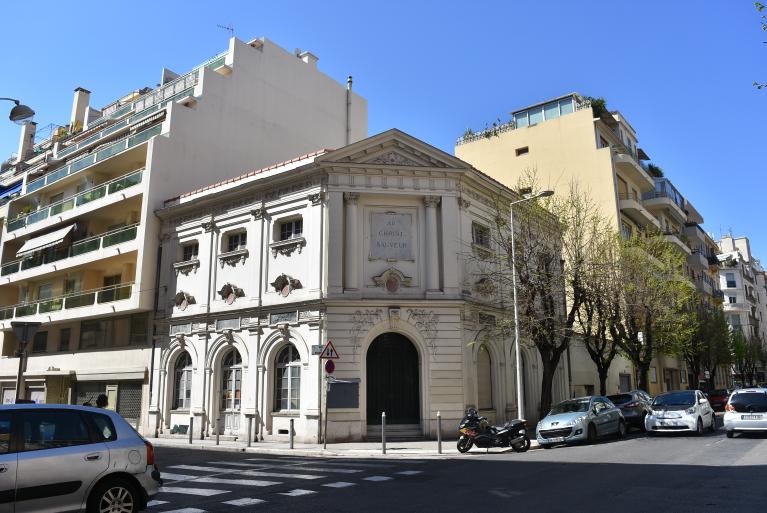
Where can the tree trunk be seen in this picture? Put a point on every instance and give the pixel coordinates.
(603, 371)
(547, 381)
(643, 369)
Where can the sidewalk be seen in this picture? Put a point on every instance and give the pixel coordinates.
(420, 449)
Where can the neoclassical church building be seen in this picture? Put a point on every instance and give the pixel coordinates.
(367, 247)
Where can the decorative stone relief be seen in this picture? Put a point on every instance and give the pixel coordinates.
(230, 292)
(182, 300)
(425, 322)
(208, 226)
(285, 284)
(351, 197)
(259, 213)
(316, 198)
(186, 267)
(287, 247)
(431, 201)
(391, 280)
(233, 257)
(393, 158)
(362, 320)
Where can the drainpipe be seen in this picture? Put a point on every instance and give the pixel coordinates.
(348, 110)
(205, 384)
(322, 284)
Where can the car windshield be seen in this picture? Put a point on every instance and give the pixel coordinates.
(675, 399)
(718, 392)
(620, 399)
(574, 406)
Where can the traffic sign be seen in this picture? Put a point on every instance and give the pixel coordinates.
(329, 352)
(330, 366)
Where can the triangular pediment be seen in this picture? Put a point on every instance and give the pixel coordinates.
(394, 148)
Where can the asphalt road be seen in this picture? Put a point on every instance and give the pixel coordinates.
(639, 474)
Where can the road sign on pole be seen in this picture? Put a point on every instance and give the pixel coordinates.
(329, 352)
(330, 366)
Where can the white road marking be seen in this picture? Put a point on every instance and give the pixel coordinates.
(330, 470)
(155, 503)
(202, 469)
(297, 492)
(180, 478)
(245, 501)
(186, 510)
(377, 478)
(205, 492)
(339, 484)
(237, 464)
(256, 473)
(410, 472)
(167, 476)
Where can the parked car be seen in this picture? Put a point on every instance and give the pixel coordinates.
(634, 406)
(73, 458)
(746, 411)
(680, 410)
(581, 419)
(718, 398)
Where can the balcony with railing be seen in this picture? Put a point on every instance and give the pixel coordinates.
(679, 240)
(93, 158)
(631, 205)
(67, 302)
(13, 269)
(73, 203)
(666, 196)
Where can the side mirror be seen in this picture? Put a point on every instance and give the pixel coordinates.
(595, 411)
(701, 401)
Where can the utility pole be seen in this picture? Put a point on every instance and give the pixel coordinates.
(24, 331)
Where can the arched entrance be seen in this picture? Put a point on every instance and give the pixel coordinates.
(230, 392)
(393, 380)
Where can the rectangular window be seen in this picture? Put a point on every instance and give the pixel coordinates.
(480, 235)
(64, 335)
(291, 229)
(522, 151)
(536, 115)
(190, 252)
(51, 429)
(40, 342)
(521, 120)
(138, 329)
(45, 291)
(5, 432)
(653, 375)
(565, 106)
(731, 280)
(551, 110)
(236, 241)
(93, 334)
(626, 231)
(732, 299)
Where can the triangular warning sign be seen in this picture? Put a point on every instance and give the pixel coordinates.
(329, 352)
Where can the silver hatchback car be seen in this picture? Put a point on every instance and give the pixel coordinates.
(746, 410)
(57, 458)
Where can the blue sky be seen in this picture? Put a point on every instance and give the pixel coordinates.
(680, 72)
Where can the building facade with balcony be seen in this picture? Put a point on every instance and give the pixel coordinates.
(366, 247)
(563, 140)
(80, 242)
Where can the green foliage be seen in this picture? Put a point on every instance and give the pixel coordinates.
(598, 105)
(654, 170)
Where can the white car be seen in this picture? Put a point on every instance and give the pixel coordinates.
(746, 410)
(680, 410)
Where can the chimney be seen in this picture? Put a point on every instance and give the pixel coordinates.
(27, 140)
(309, 58)
(79, 108)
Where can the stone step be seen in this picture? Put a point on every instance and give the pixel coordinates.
(395, 432)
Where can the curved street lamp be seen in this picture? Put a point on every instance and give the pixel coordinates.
(517, 351)
(20, 114)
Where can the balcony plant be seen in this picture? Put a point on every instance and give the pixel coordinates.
(654, 171)
(598, 105)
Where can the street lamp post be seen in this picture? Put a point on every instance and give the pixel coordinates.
(517, 350)
(24, 331)
(20, 114)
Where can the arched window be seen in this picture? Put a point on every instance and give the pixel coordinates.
(484, 379)
(231, 384)
(182, 394)
(287, 386)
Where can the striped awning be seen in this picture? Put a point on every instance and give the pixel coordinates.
(44, 241)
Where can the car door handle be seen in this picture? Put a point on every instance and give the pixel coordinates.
(92, 457)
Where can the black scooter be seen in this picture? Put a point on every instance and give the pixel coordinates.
(475, 430)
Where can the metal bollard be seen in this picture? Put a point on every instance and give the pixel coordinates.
(250, 430)
(218, 430)
(291, 433)
(439, 433)
(383, 432)
(191, 428)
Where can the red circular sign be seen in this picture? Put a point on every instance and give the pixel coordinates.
(330, 366)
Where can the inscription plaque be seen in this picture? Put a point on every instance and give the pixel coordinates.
(391, 236)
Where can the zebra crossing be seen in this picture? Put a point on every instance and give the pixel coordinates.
(221, 485)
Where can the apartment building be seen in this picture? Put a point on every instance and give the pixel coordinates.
(368, 247)
(81, 243)
(567, 139)
(742, 278)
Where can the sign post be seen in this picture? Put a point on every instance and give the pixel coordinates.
(328, 353)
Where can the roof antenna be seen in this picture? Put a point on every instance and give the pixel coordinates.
(229, 28)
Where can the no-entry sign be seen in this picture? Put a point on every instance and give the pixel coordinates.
(330, 366)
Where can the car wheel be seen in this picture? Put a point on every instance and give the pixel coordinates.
(547, 446)
(464, 444)
(699, 427)
(114, 495)
(591, 436)
(522, 446)
(712, 427)
(730, 433)
(621, 429)
(642, 426)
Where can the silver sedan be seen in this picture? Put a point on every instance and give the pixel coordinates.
(580, 419)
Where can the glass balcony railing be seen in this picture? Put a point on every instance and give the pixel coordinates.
(77, 200)
(108, 294)
(91, 159)
(80, 247)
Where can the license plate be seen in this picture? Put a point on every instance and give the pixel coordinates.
(557, 439)
(667, 423)
(751, 417)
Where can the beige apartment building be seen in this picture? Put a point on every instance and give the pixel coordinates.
(81, 242)
(563, 140)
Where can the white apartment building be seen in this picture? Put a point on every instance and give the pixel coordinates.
(80, 246)
(365, 246)
(742, 280)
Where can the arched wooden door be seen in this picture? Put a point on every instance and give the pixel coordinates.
(393, 381)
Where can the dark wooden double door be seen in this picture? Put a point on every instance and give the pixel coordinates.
(393, 381)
